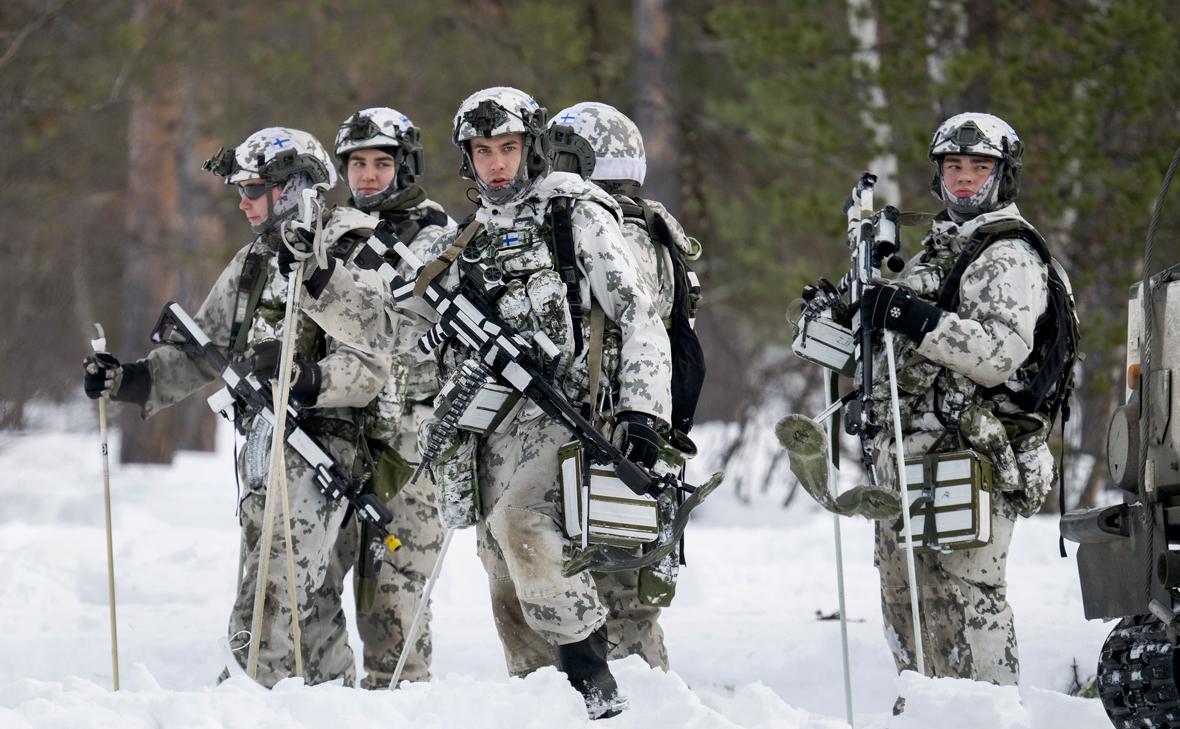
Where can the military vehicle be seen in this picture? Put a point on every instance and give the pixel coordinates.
(1129, 553)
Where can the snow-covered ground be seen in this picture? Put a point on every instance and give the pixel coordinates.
(746, 646)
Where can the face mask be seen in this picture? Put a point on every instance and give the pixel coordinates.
(979, 202)
(287, 204)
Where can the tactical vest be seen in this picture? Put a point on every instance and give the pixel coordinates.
(530, 275)
(260, 305)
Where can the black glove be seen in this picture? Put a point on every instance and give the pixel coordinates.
(635, 434)
(305, 384)
(318, 279)
(264, 362)
(898, 309)
(101, 372)
(306, 377)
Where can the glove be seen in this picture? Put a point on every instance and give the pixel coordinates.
(306, 377)
(264, 362)
(103, 375)
(99, 374)
(899, 310)
(306, 380)
(635, 434)
(318, 279)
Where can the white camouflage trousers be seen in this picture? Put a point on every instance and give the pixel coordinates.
(522, 546)
(316, 523)
(968, 631)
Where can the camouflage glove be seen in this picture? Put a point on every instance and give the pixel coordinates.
(899, 310)
(636, 435)
(104, 375)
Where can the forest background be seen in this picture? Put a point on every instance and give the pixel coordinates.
(757, 116)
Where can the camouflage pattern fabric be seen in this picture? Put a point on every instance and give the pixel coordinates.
(393, 418)
(968, 631)
(521, 527)
(400, 582)
(316, 523)
(940, 381)
(355, 331)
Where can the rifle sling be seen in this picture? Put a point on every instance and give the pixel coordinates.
(594, 355)
(432, 270)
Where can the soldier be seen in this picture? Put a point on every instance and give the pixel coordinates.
(619, 166)
(343, 335)
(967, 373)
(501, 132)
(380, 155)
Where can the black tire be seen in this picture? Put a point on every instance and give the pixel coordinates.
(1137, 673)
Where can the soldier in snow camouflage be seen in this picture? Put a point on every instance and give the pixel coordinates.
(948, 364)
(521, 542)
(380, 156)
(343, 335)
(619, 167)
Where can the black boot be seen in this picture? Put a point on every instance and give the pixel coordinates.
(584, 663)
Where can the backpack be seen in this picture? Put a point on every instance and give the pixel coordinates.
(1055, 338)
(688, 359)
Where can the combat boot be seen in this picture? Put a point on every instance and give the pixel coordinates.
(584, 664)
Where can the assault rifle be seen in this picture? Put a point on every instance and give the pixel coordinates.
(872, 236)
(468, 316)
(252, 398)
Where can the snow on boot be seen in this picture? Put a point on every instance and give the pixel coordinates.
(584, 663)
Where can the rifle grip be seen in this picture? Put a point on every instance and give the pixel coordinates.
(635, 478)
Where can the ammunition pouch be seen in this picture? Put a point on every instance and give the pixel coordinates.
(456, 483)
(613, 513)
(949, 495)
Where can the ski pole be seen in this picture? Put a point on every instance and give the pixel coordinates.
(412, 633)
(99, 346)
(905, 507)
(831, 394)
(278, 479)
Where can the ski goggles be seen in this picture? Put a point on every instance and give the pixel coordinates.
(255, 190)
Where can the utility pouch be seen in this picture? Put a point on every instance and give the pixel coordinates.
(821, 340)
(490, 408)
(368, 569)
(456, 484)
(390, 473)
(617, 516)
(657, 583)
(949, 496)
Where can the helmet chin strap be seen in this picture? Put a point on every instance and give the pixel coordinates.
(513, 191)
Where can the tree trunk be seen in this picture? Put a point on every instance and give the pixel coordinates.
(866, 66)
(655, 101)
(151, 276)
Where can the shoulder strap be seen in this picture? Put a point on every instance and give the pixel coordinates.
(561, 223)
(594, 356)
(250, 284)
(948, 297)
(432, 270)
